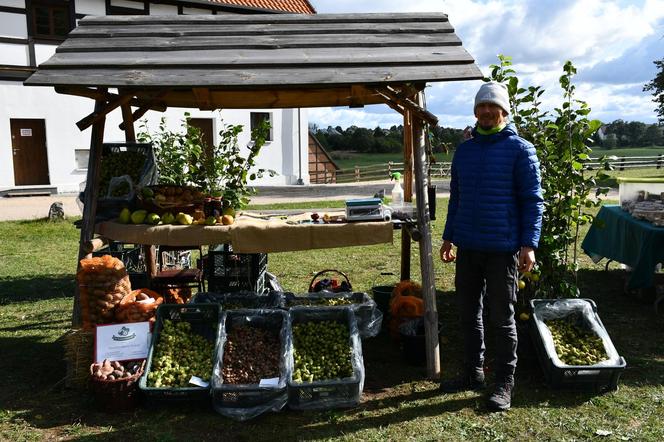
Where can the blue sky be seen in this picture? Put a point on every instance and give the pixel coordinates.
(612, 43)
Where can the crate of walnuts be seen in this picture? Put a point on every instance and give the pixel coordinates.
(573, 346)
(328, 367)
(253, 363)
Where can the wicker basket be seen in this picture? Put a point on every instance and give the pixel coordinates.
(116, 395)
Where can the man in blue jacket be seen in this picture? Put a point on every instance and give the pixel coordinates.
(494, 219)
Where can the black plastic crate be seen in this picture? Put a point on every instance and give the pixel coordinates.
(336, 393)
(245, 401)
(204, 320)
(227, 271)
(239, 300)
(369, 318)
(601, 378)
(132, 257)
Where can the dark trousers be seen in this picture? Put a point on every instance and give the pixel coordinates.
(491, 278)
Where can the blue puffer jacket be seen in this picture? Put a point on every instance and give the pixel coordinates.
(495, 194)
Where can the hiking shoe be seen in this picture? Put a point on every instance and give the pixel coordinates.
(466, 382)
(501, 399)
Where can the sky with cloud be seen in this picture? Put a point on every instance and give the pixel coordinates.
(612, 43)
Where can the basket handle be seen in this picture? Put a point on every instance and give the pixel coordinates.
(382, 274)
(313, 280)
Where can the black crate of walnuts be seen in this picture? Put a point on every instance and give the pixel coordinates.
(182, 352)
(253, 363)
(573, 346)
(328, 368)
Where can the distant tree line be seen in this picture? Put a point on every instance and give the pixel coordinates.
(379, 140)
(629, 134)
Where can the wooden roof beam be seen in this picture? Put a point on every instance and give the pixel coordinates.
(101, 113)
(395, 97)
(154, 103)
(102, 95)
(203, 98)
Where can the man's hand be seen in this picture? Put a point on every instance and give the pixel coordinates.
(526, 259)
(446, 252)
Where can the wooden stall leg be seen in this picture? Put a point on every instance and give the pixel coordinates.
(407, 189)
(426, 255)
(90, 202)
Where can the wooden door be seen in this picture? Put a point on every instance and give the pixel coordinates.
(29, 152)
(205, 125)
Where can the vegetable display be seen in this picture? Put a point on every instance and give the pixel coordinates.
(251, 354)
(178, 355)
(321, 351)
(113, 370)
(574, 344)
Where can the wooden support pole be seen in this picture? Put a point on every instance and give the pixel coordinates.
(90, 201)
(100, 114)
(426, 254)
(128, 121)
(407, 190)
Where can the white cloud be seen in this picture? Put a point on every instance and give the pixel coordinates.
(611, 42)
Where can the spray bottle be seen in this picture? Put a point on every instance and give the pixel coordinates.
(397, 191)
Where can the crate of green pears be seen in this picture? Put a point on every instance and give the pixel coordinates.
(573, 346)
(182, 352)
(328, 367)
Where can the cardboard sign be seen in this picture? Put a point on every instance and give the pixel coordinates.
(122, 342)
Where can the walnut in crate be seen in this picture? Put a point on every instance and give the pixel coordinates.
(103, 282)
(251, 354)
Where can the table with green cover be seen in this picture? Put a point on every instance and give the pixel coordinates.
(617, 235)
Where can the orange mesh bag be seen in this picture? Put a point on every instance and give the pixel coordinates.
(138, 306)
(103, 282)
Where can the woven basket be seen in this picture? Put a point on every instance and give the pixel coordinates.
(79, 349)
(117, 395)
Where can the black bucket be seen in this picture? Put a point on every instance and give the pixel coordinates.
(413, 346)
(382, 295)
(431, 193)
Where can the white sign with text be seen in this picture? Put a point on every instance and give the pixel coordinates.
(121, 342)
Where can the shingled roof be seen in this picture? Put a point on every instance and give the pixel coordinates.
(212, 61)
(296, 6)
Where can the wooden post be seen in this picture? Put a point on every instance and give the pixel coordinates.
(407, 190)
(128, 122)
(426, 254)
(89, 201)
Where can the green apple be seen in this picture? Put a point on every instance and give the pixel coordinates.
(210, 221)
(168, 218)
(138, 216)
(152, 218)
(147, 192)
(125, 216)
(183, 218)
(228, 211)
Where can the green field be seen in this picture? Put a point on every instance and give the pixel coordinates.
(37, 263)
(348, 160)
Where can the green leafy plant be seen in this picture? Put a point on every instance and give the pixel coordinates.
(235, 170)
(221, 170)
(178, 153)
(562, 139)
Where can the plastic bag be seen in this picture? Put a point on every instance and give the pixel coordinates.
(562, 308)
(369, 317)
(246, 401)
(331, 393)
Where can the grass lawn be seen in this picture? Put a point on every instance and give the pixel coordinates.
(37, 264)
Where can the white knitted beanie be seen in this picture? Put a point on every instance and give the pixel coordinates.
(493, 92)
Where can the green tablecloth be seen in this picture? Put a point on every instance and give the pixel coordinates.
(617, 235)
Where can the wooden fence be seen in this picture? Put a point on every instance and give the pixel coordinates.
(383, 171)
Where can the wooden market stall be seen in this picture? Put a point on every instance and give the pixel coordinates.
(143, 63)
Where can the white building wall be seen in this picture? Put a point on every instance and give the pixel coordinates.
(13, 3)
(13, 25)
(157, 9)
(91, 7)
(61, 112)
